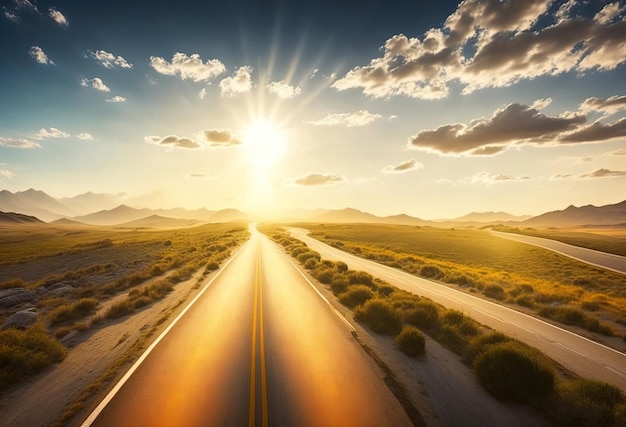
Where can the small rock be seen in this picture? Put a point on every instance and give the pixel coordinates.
(14, 296)
(21, 320)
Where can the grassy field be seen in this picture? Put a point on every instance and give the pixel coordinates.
(71, 272)
(605, 240)
(552, 285)
(505, 367)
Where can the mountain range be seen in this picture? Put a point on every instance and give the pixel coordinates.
(106, 210)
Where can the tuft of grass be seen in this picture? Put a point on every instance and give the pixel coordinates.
(411, 341)
(119, 309)
(23, 353)
(72, 312)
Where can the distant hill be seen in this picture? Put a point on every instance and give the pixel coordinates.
(353, 215)
(119, 215)
(490, 217)
(65, 221)
(16, 218)
(202, 214)
(157, 221)
(34, 203)
(579, 216)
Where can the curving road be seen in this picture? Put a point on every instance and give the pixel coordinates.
(616, 263)
(580, 355)
(257, 347)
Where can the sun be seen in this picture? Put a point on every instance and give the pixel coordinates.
(265, 141)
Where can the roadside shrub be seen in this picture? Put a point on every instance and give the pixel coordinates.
(339, 285)
(212, 265)
(481, 343)
(119, 309)
(424, 315)
(525, 301)
(342, 267)
(453, 317)
(385, 290)
(356, 295)
(588, 403)
(379, 315)
(70, 312)
(141, 301)
(411, 341)
(451, 337)
(304, 256)
(361, 278)
(26, 352)
(325, 275)
(495, 292)
(511, 370)
(298, 250)
(431, 271)
(310, 264)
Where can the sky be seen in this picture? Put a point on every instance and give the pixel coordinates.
(433, 109)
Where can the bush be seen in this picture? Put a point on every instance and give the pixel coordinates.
(424, 315)
(525, 301)
(71, 312)
(385, 290)
(310, 263)
(342, 267)
(120, 309)
(511, 370)
(587, 403)
(481, 343)
(339, 285)
(495, 292)
(356, 295)
(212, 265)
(379, 315)
(325, 275)
(361, 278)
(26, 352)
(411, 341)
(431, 271)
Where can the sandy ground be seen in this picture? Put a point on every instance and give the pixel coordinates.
(443, 389)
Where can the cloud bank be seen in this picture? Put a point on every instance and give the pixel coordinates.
(188, 67)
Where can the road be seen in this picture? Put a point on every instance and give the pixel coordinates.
(580, 355)
(605, 260)
(257, 347)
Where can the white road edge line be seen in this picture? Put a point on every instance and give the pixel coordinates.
(337, 313)
(96, 412)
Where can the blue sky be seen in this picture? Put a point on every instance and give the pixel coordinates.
(388, 107)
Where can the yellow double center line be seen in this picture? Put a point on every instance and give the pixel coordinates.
(258, 317)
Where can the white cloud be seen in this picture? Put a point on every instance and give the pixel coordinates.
(39, 55)
(172, 141)
(52, 133)
(10, 15)
(317, 179)
(409, 165)
(18, 143)
(109, 60)
(358, 118)
(283, 90)
(116, 99)
(494, 44)
(6, 173)
(620, 152)
(95, 83)
(220, 138)
(603, 173)
(609, 105)
(85, 136)
(487, 178)
(241, 82)
(202, 93)
(58, 17)
(188, 67)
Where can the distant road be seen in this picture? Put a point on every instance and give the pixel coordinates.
(258, 347)
(611, 262)
(581, 355)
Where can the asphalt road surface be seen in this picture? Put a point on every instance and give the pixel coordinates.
(257, 347)
(612, 262)
(580, 355)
